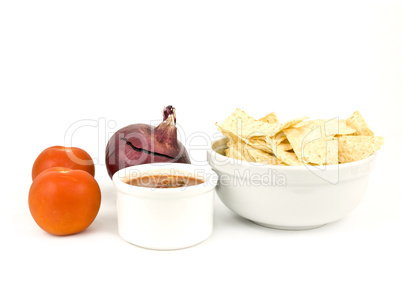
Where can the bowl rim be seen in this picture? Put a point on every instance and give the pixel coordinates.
(210, 180)
(288, 168)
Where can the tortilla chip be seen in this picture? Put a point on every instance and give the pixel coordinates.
(292, 123)
(296, 137)
(233, 137)
(289, 158)
(255, 142)
(229, 134)
(329, 127)
(286, 145)
(279, 137)
(357, 122)
(258, 129)
(241, 124)
(270, 118)
(233, 123)
(245, 126)
(263, 157)
(234, 153)
(237, 148)
(335, 127)
(261, 144)
(321, 151)
(353, 148)
(311, 146)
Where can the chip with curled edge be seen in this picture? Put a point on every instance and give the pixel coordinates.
(357, 122)
(270, 118)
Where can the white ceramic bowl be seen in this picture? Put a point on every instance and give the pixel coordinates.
(168, 218)
(286, 197)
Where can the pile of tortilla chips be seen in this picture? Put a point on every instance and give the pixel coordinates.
(299, 141)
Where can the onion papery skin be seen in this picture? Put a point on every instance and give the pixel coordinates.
(143, 144)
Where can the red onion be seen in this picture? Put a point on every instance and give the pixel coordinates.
(143, 144)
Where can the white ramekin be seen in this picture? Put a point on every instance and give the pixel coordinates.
(165, 219)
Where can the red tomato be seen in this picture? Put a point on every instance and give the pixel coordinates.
(68, 157)
(63, 201)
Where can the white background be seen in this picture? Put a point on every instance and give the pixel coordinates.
(65, 64)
